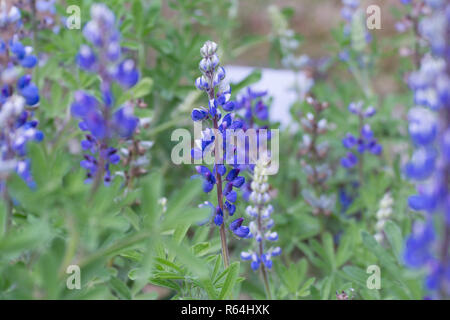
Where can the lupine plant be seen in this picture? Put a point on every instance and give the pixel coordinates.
(357, 37)
(215, 140)
(19, 98)
(365, 142)
(383, 214)
(314, 163)
(254, 109)
(99, 119)
(429, 127)
(260, 211)
(288, 43)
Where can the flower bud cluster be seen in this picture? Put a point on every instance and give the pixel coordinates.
(260, 212)
(383, 214)
(314, 153)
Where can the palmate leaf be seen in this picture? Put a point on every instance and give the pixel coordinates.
(394, 236)
(120, 288)
(383, 256)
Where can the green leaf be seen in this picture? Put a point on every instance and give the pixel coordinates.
(304, 290)
(29, 237)
(132, 217)
(209, 288)
(327, 241)
(253, 77)
(120, 288)
(326, 287)
(202, 248)
(355, 274)
(183, 198)
(3, 217)
(230, 280)
(217, 264)
(138, 16)
(151, 193)
(185, 256)
(143, 88)
(394, 236)
(385, 259)
(185, 218)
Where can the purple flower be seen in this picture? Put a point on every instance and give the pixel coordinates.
(349, 161)
(127, 74)
(238, 229)
(349, 141)
(429, 165)
(17, 126)
(217, 125)
(96, 116)
(417, 249)
(365, 141)
(422, 164)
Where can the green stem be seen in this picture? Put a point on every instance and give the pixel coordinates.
(261, 252)
(9, 207)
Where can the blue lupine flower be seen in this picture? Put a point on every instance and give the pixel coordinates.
(96, 117)
(218, 99)
(430, 163)
(349, 161)
(253, 106)
(238, 229)
(365, 141)
(17, 128)
(22, 54)
(417, 250)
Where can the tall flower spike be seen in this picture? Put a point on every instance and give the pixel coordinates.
(289, 43)
(260, 212)
(365, 142)
(99, 119)
(428, 245)
(220, 177)
(314, 153)
(19, 97)
(252, 105)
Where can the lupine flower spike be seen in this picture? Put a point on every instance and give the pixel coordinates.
(289, 44)
(18, 98)
(383, 214)
(314, 153)
(429, 127)
(224, 179)
(260, 212)
(99, 119)
(365, 142)
(253, 107)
